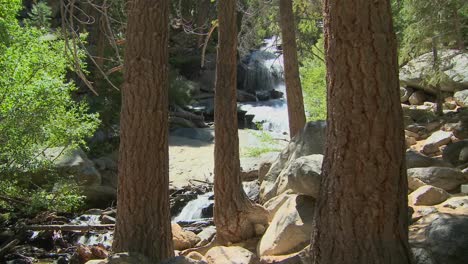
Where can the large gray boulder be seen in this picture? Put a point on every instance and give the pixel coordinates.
(442, 177)
(417, 160)
(428, 195)
(447, 238)
(456, 153)
(418, 71)
(290, 228)
(310, 140)
(461, 97)
(302, 176)
(74, 162)
(230, 255)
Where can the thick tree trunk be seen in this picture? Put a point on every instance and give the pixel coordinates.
(143, 215)
(234, 214)
(361, 215)
(291, 69)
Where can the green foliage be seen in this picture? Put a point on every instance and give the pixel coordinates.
(36, 110)
(180, 89)
(40, 16)
(62, 197)
(314, 86)
(420, 21)
(266, 144)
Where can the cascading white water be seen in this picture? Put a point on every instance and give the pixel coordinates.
(193, 210)
(272, 114)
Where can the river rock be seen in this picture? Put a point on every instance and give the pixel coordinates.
(405, 93)
(461, 97)
(250, 166)
(99, 196)
(252, 189)
(183, 260)
(206, 235)
(243, 96)
(441, 177)
(417, 160)
(290, 228)
(183, 239)
(445, 237)
(417, 98)
(428, 195)
(230, 255)
(309, 141)
(456, 153)
(459, 202)
(74, 162)
(436, 140)
(416, 72)
(302, 176)
(276, 202)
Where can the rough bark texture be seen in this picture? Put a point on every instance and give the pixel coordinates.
(143, 216)
(361, 215)
(234, 214)
(291, 69)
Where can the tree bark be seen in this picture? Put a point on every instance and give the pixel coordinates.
(143, 215)
(296, 112)
(361, 214)
(234, 214)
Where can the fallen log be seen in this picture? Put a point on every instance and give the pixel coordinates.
(8, 247)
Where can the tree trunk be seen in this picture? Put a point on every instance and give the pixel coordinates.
(143, 215)
(361, 214)
(291, 69)
(234, 214)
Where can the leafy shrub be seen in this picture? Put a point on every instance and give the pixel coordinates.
(313, 78)
(36, 106)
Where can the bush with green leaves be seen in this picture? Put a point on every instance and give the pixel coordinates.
(36, 106)
(314, 85)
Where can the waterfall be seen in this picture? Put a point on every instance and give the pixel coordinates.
(193, 210)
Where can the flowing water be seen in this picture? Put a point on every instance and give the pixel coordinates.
(265, 72)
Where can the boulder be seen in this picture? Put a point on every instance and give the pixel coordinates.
(99, 196)
(290, 228)
(252, 189)
(428, 195)
(128, 258)
(442, 177)
(250, 166)
(459, 202)
(243, 96)
(435, 141)
(422, 256)
(183, 260)
(302, 176)
(417, 98)
(276, 202)
(456, 153)
(461, 97)
(309, 141)
(183, 239)
(230, 255)
(417, 160)
(405, 93)
(206, 235)
(447, 238)
(73, 162)
(417, 71)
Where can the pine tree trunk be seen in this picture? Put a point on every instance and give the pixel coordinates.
(291, 69)
(143, 216)
(361, 215)
(234, 214)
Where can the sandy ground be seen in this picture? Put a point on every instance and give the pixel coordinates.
(191, 159)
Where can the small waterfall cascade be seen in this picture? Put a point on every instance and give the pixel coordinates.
(194, 209)
(263, 68)
(271, 114)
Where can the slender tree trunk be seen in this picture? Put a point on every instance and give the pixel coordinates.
(143, 216)
(296, 112)
(361, 214)
(234, 214)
